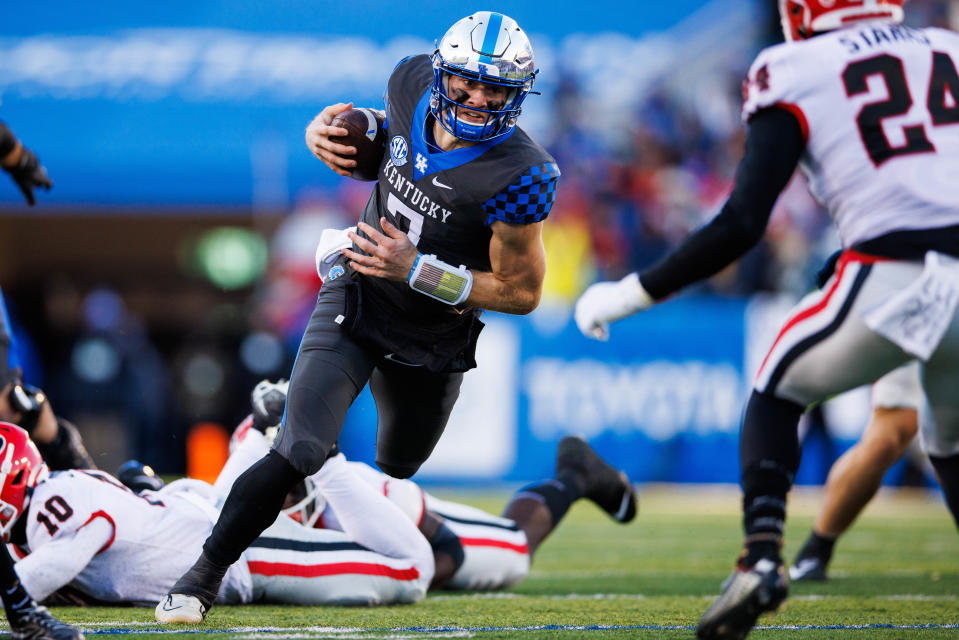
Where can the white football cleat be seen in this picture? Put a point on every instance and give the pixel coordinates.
(180, 608)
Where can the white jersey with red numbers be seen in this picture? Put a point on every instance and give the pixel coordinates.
(86, 529)
(879, 107)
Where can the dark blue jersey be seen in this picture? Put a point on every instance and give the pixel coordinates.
(446, 200)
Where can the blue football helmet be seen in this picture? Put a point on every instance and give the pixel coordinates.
(487, 47)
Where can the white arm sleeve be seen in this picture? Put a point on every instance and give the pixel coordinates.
(253, 447)
(57, 563)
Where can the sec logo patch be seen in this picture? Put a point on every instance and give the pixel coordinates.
(335, 272)
(399, 152)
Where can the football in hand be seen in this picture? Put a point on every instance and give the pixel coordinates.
(367, 135)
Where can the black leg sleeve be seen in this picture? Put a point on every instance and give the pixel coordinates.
(15, 597)
(253, 504)
(947, 469)
(769, 458)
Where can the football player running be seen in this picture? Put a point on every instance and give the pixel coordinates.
(453, 227)
(867, 108)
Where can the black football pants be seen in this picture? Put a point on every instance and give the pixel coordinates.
(331, 369)
(413, 404)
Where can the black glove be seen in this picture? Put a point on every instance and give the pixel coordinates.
(29, 173)
(269, 401)
(28, 401)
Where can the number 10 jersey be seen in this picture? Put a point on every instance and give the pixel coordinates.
(878, 105)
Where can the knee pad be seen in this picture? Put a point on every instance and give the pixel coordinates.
(306, 456)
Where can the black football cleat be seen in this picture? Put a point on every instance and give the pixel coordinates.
(813, 559)
(808, 569)
(748, 592)
(37, 623)
(601, 483)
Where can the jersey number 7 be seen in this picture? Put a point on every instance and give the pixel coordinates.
(943, 83)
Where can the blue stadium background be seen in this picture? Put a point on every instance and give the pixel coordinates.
(171, 266)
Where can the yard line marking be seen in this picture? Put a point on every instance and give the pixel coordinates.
(857, 627)
(403, 632)
(640, 596)
(365, 636)
(521, 596)
(905, 596)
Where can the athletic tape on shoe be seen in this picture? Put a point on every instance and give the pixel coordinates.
(441, 281)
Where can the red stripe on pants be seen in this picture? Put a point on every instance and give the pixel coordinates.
(332, 569)
(847, 257)
(489, 542)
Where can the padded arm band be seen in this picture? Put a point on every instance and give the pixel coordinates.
(441, 281)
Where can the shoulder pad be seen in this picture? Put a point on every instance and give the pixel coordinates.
(772, 80)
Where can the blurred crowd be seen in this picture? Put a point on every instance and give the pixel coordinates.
(622, 203)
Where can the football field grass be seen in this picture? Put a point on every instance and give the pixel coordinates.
(895, 575)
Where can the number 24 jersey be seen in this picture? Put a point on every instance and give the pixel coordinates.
(878, 105)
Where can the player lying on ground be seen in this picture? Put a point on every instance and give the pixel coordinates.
(86, 530)
(107, 544)
(472, 549)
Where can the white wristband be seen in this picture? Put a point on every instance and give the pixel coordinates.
(441, 281)
(634, 295)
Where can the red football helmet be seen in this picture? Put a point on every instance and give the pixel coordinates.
(21, 468)
(804, 18)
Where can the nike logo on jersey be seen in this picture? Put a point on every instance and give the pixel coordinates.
(437, 183)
